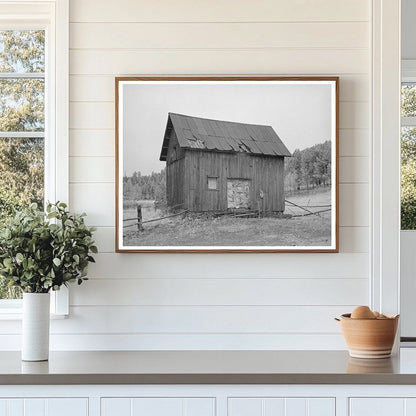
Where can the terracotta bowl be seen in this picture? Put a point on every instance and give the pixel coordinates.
(369, 338)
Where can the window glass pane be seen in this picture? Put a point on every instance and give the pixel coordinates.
(22, 104)
(21, 173)
(408, 178)
(22, 51)
(21, 182)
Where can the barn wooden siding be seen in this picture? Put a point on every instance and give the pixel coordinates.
(265, 173)
(175, 173)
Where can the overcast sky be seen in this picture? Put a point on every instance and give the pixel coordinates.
(300, 114)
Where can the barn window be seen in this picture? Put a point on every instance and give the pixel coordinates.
(212, 183)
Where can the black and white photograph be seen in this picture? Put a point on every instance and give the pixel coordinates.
(227, 164)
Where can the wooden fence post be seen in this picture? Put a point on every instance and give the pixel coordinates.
(139, 218)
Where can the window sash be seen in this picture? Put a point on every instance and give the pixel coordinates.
(408, 121)
(22, 134)
(22, 75)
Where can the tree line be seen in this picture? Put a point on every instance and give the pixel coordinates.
(308, 168)
(148, 187)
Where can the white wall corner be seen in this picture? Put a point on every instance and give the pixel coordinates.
(385, 282)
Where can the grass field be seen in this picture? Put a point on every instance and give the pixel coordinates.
(202, 230)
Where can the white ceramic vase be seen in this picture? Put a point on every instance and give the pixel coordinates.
(35, 326)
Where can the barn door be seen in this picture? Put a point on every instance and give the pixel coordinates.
(238, 193)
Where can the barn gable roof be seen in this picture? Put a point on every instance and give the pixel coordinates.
(222, 136)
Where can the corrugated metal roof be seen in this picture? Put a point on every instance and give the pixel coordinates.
(223, 136)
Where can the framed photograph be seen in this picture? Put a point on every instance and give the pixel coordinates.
(227, 164)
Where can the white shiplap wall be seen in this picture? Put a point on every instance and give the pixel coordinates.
(218, 301)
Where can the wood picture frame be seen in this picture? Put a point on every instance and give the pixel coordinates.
(227, 164)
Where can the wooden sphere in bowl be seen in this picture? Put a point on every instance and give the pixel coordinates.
(369, 338)
(362, 312)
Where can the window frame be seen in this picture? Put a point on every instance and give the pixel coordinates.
(385, 156)
(53, 17)
(408, 75)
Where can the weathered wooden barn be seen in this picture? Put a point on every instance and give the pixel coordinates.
(214, 165)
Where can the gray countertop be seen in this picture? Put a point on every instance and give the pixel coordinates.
(207, 367)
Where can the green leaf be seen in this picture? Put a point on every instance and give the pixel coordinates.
(56, 262)
(69, 223)
(94, 249)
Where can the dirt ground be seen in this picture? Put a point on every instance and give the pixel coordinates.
(191, 230)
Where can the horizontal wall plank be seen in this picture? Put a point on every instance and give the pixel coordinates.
(148, 342)
(191, 341)
(91, 169)
(354, 203)
(352, 239)
(231, 61)
(220, 292)
(220, 35)
(352, 115)
(96, 199)
(92, 88)
(81, 115)
(105, 239)
(354, 88)
(200, 319)
(218, 11)
(354, 142)
(101, 88)
(194, 319)
(354, 170)
(93, 143)
(200, 266)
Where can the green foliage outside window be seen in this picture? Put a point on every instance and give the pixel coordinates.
(408, 160)
(21, 110)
